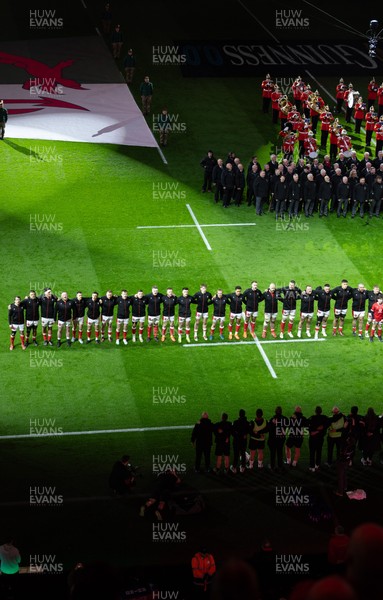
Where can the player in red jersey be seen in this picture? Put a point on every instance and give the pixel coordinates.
(377, 311)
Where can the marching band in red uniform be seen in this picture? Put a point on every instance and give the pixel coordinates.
(267, 89)
(301, 128)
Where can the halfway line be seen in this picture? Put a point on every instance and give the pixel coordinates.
(214, 344)
(206, 225)
(198, 226)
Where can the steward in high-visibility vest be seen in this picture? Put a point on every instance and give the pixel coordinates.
(203, 567)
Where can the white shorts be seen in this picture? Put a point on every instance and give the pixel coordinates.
(323, 313)
(153, 320)
(289, 313)
(79, 320)
(269, 316)
(32, 323)
(138, 319)
(340, 312)
(106, 319)
(306, 315)
(236, 315)
(93, 321)
(220, 319)
(18, 327)
(358, 313)
(183, 319)
(47, 322)
(203, 315)
(251, 313)
(122, 321)
(62, 323)
(166, 319)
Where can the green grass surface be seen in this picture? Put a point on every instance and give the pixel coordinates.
(99, 195)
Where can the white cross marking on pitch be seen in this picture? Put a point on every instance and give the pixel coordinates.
(197, 225)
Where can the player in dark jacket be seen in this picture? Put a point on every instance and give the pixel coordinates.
(63, 314)
(271, 298)
(341, 294)
(93, 308)
(359, 299)
(79, 307)
(108, 302)
(235, 301)
(153, 301)
(16, 321)
(252, 296)
(307, 310)
(288, 296)
(138, 303)
(184, 314)
(202, 299)
(323, 296)
(169, 303)
(219, 302)
(123, 307)
(47, 303)
(31, 304)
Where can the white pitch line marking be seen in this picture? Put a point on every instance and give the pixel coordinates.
(265, 358)
(94, 432)
(205, 225)
(198, 226)
(214, 344)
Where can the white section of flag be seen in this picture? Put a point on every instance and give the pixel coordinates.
(113, 116)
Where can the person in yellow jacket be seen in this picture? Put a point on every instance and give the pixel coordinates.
(203, 567)
(334, 434)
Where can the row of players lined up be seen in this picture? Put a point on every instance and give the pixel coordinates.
(290, 187)
(314, 109)
(279, 431)
(160, 311)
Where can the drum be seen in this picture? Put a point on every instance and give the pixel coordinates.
(313, 154)
(347, 153)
